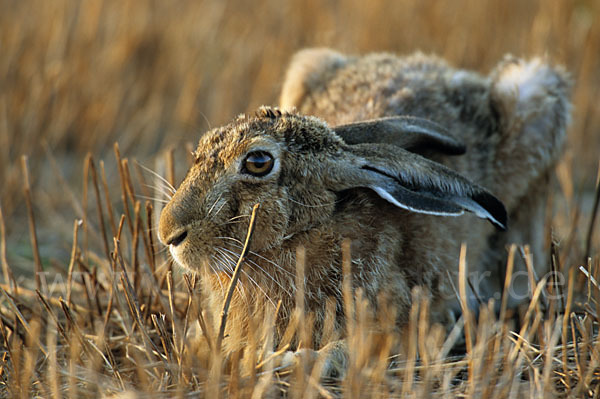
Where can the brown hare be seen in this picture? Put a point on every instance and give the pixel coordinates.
(387, 152)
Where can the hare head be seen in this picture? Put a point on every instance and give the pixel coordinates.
(296, 167)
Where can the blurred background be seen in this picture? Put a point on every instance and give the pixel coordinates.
(78, 76)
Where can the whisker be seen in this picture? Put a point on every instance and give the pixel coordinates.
(272, 263)
(214, 204)
(168, 185)
(206, 120)
(153, 199)
(225, 261)
(217, 274)
(251, 262)
(221, 207)
(238, 217)
(240, 245)
(230, 223)
(259, 287)
(229, 265)
(233, 239)
(160, 251)
(234, 220)
(160, 190)
(314, 206)
(250, 278)
(233, 256)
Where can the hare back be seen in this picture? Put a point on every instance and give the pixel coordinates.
(512, 123)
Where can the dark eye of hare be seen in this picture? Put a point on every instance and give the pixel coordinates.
(258, 163)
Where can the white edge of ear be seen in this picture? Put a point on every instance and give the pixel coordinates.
(383, 193)
(465, 203)
(476, 209)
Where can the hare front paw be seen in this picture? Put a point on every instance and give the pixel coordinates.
(328, 362)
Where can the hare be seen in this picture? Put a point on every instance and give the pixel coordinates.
(405, 157)
(511, 126)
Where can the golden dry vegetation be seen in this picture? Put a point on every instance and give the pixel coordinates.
(111, 316)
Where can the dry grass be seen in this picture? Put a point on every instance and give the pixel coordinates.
(109, 316)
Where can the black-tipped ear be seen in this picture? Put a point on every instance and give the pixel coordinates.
(451, 198)
(413, 182)
(493, 208)
(413, 134)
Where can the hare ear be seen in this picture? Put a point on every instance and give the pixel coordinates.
(409, 132)
(417, 184)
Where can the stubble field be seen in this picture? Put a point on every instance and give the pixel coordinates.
(83, 314)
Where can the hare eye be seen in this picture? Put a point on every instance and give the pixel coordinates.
(258, 163)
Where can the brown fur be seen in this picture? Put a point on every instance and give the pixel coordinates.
(512, 122)
(318, 193)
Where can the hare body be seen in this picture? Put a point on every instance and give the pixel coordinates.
(320, 183)
(511, 122)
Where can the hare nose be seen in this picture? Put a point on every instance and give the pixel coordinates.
(177, 238)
